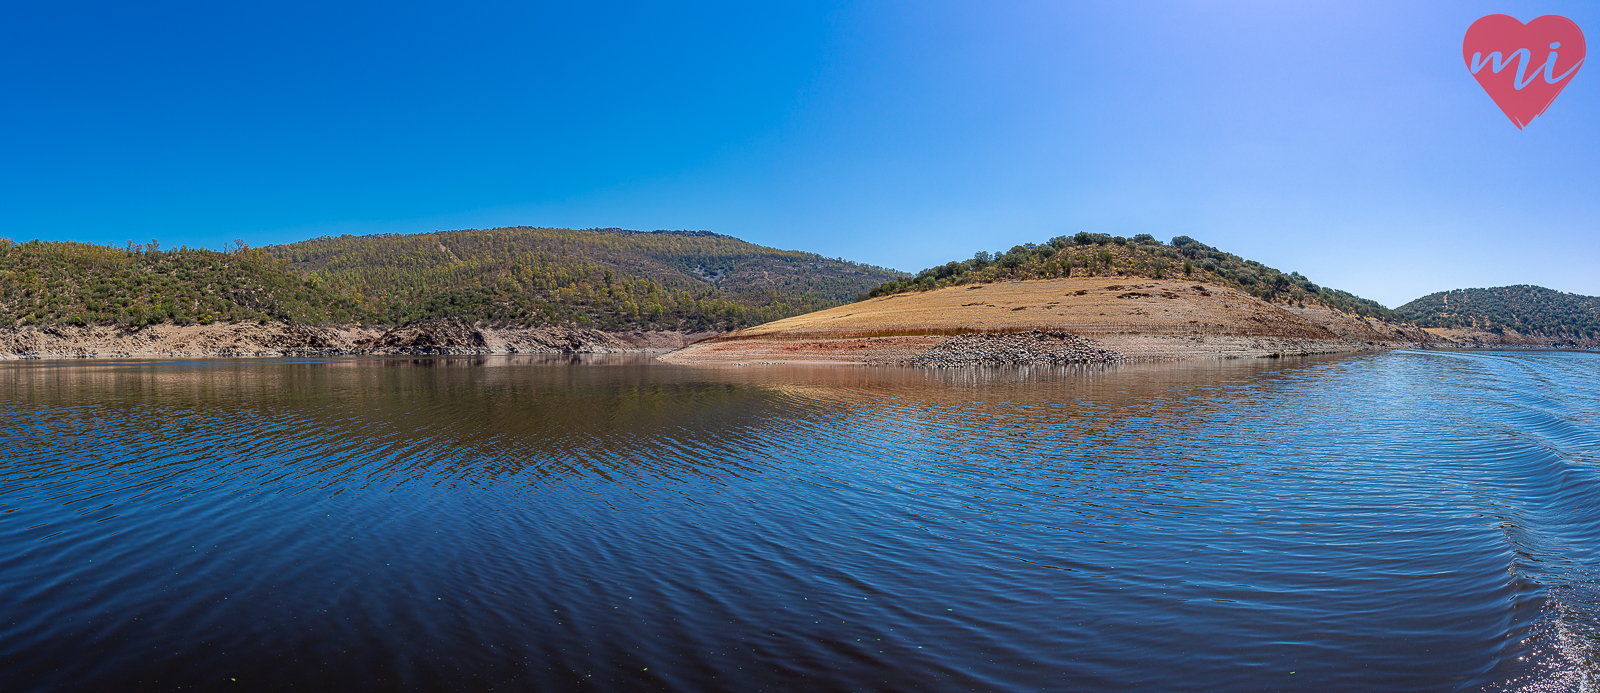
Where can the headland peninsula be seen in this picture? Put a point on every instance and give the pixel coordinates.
(1093, 298)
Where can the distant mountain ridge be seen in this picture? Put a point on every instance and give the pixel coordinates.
(1524, 308)
(631, 232)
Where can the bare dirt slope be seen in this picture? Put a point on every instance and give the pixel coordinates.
(1136, 319)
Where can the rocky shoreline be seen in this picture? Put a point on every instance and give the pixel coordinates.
(1022, 347)
(1044, 347)
(1040, 347)
(1014, 348)
(283, 339)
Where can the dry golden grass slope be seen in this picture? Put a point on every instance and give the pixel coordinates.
(1140, 318)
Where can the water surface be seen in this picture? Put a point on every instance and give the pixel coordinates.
(1410, 521)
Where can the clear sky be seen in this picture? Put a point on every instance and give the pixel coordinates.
(1343, 140)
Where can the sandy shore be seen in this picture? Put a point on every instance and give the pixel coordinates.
(280, 339)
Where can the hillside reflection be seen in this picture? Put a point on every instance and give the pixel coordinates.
(482, 420)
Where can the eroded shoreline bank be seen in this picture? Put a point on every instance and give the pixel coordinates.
(1027, 348)
(283, 339)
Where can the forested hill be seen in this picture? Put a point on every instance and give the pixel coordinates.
(44, 282)
(607, 278)
(1101, 255)
(1523, 308)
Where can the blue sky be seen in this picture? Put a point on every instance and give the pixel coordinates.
(1342, 140)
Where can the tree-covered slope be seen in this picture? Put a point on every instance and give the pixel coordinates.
(1523, 308)
(607, 278)
(1100, 255)
(78, 283)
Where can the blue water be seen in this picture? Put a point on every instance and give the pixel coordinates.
(1408, 521)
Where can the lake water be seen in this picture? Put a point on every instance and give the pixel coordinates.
(1408, 521)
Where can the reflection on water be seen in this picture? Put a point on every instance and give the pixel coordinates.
(1405, 521)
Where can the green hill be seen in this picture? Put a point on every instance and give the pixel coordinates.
(606, 278)
(78, 283)
(1523, 308)
(1100, 255)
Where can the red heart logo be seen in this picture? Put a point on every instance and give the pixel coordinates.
(1523, 66)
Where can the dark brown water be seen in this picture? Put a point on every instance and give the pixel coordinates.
(1408, 521)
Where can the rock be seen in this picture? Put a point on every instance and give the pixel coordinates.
(1013, 348)
(430, 338)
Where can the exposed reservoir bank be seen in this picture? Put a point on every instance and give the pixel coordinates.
(1395, 521)
(283, 339)
(1107, 320)
(1092, 320)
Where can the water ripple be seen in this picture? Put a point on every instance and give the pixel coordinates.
(1404, 521)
